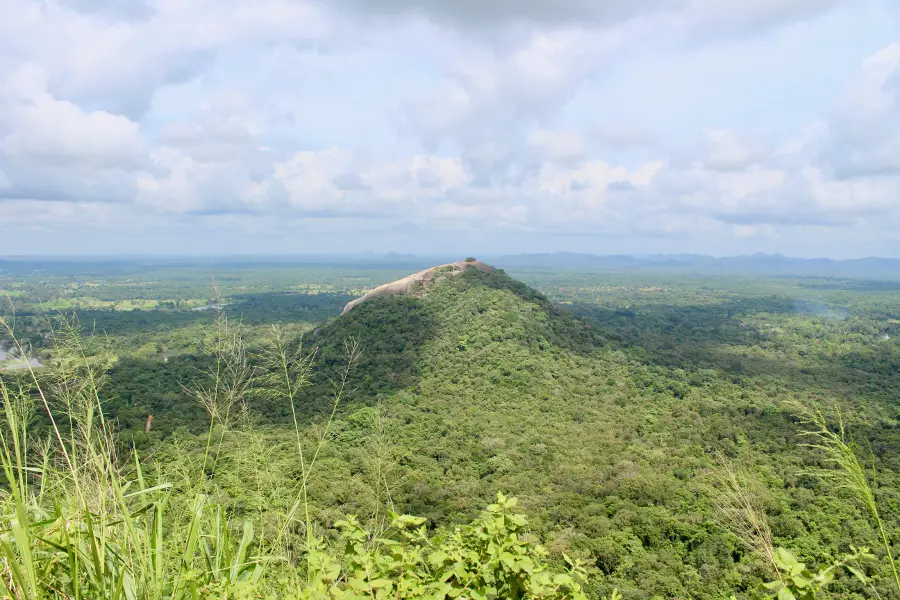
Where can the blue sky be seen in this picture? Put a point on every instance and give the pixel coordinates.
(425, 126)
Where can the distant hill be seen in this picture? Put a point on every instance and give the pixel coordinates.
(753, 264)
(452, 310)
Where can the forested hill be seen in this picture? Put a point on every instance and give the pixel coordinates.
(481, 322)
(481, 384)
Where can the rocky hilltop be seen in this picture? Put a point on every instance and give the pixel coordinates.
(417, 283)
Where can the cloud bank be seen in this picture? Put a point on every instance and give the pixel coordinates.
(432, 126)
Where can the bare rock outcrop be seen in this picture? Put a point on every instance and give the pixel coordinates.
(418, 283)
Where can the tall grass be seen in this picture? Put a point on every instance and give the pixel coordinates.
(848, 473)
(85, 522)
(738, 504)
(285, 374)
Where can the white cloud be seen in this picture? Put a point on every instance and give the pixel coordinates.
(488, 89)
(723, 150)
(52, 149)
(563, 146)
(863, 136)
(118, 65)
(445, 118)
(58, 131)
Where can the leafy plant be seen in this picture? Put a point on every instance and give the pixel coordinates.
(487, 559)
(797, 582)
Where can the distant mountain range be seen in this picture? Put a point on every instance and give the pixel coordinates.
(752, 264)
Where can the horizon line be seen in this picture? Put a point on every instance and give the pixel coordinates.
(411, 256)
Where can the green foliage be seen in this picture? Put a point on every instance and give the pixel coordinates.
(487, 559)
(603, 423)
(797, 582)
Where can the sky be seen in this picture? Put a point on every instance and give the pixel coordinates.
(428, 126)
